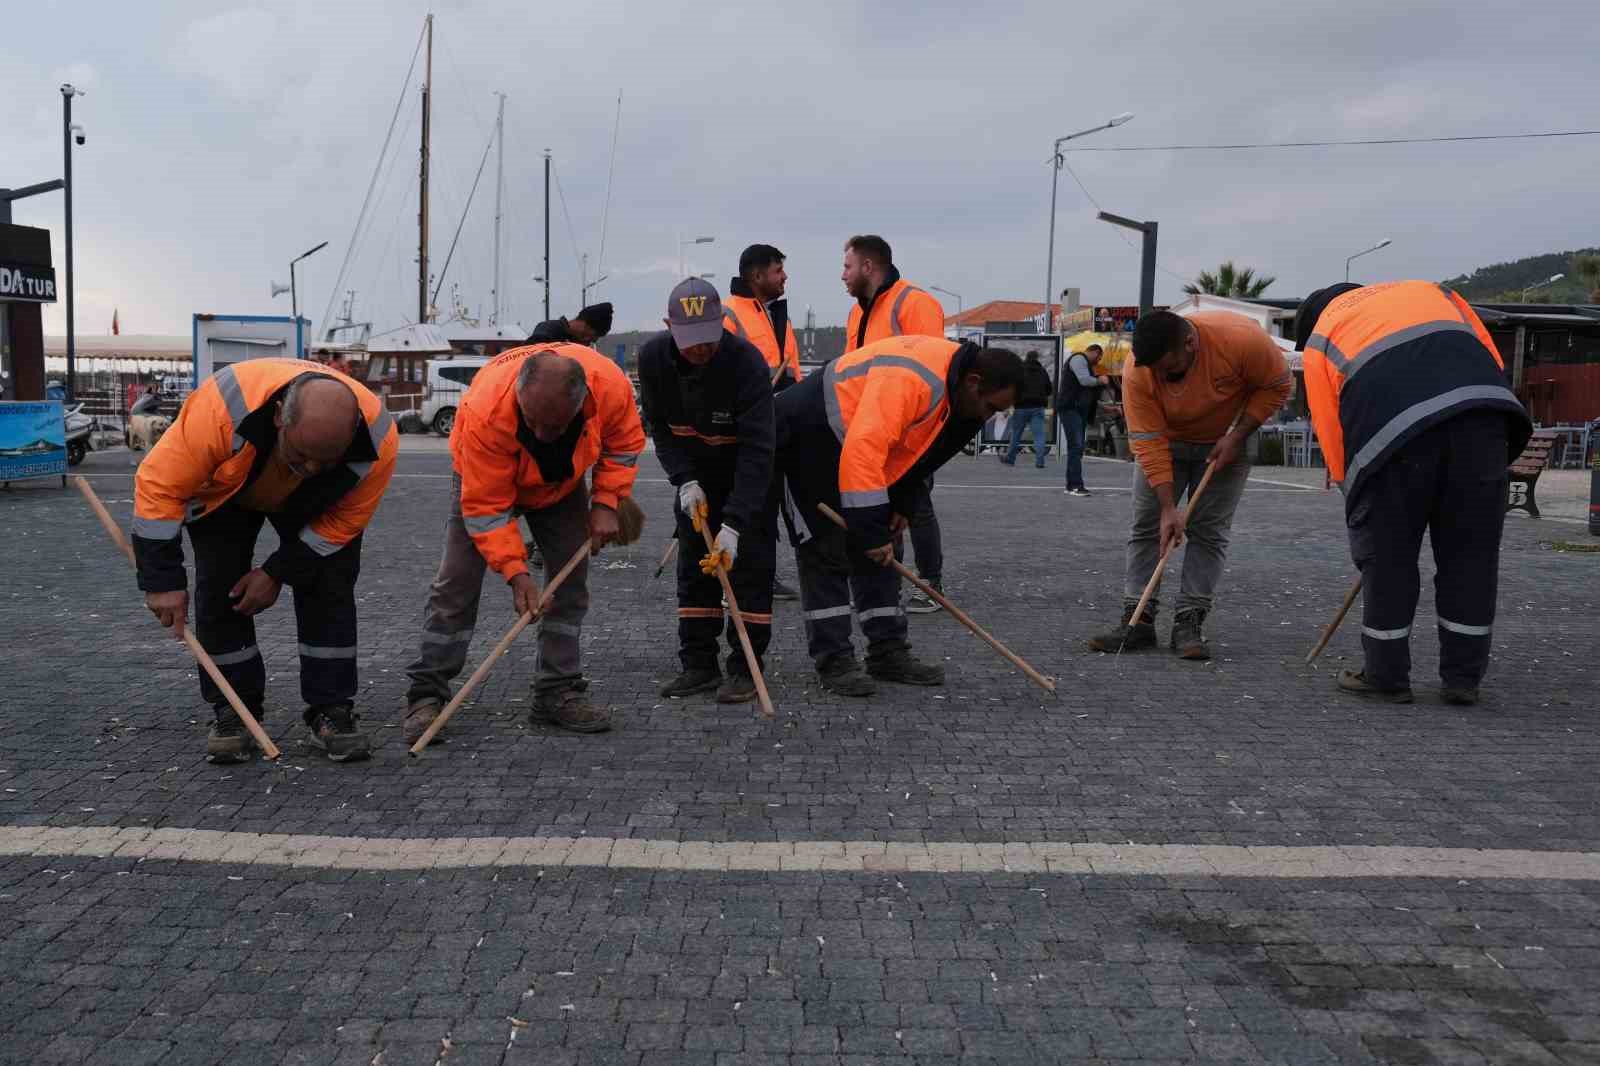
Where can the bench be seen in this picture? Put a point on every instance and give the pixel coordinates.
(1525, 471)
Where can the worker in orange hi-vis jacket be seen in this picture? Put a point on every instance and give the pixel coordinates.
(887, 305)
(863, 435)
(267, 440)
(1418, 423)
(532, 426)
(1198, 388)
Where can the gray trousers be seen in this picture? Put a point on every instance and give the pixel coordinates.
(1206, 534)
(452, 611)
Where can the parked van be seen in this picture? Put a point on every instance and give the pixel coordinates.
(447, 380)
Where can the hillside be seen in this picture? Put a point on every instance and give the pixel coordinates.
(1504, 282)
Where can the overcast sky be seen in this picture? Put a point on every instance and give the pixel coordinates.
(223, 141)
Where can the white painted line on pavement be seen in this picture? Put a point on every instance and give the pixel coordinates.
(818, 856)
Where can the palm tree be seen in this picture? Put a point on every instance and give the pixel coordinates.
(1230, 281)
(1587, 267)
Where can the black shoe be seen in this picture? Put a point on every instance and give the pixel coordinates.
(1188, 635)
(691, 681)
(229, 742)
(1356, 682)
(843, 676)
(1079, 491)
(902, 667)
(333, 729)
(1127, 636)
(1459, 696)
(780, 591)
(737, 687)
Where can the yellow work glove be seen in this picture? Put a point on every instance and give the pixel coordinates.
(715, 561)
(698, 516)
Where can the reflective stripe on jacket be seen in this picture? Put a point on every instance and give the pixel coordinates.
(1385, 362)
(886, 403)
(746, 318)
(221, 441)
(501, 477)
(900, 310)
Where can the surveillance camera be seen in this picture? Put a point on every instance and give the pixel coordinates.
(78, 134)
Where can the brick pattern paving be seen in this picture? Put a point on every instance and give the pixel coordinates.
(143, 959)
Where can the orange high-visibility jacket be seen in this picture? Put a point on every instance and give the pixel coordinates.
(221, 442)
(494, 450)
(886, 403)
(1386, 362)
(747, 318)
(899, 310)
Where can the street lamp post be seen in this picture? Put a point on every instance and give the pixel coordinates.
(1551, 280)
(683, 268)
(1056, 162)
(1147, 257)
(67, 132)
(294, 294)
(959, 305)
(1381, 244)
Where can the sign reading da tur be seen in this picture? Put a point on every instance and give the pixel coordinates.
(36, 284)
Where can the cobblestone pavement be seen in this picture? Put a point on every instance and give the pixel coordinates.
(1319, 944)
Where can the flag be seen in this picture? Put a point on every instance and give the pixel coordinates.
(115, 328)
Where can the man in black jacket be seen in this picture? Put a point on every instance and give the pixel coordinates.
(1075, 407)
(588, 326)
(1029, 412)
(708, 398)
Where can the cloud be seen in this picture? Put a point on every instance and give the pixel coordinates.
(223, 143)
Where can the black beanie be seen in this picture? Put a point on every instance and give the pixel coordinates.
(598, 317)
(1305, 319)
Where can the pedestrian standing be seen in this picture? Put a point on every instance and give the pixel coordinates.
(1076, 403)
(1029, 412)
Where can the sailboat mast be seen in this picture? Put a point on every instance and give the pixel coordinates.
(422, 210)
(499, 190)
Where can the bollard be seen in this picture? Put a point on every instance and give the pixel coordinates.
(1594, 495)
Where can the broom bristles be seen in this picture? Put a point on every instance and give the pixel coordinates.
(630, 521)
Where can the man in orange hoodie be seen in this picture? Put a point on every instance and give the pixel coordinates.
(530, 428)
(1198, 388)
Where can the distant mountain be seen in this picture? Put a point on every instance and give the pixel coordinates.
(1504, 282)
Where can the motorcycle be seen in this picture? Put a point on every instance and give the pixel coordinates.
(80, 429)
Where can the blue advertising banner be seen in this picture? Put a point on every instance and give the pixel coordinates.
(33, 440)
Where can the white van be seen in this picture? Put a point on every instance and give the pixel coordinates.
(446, 382)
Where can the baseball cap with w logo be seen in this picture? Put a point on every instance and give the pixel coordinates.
(694, 313)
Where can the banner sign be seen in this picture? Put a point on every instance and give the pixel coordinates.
(34, 284)
(33, 440)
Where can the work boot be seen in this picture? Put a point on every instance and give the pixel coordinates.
(1356, 682)
(1188, 634)
(737, 687)
(1128, 635)
(693, 679)
(843, 676)
(902, 667)
(921, 603)
(229, 742)
(571, 710)
(419, 716)
(333, 729)
(780, 591)
(1459, 695)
